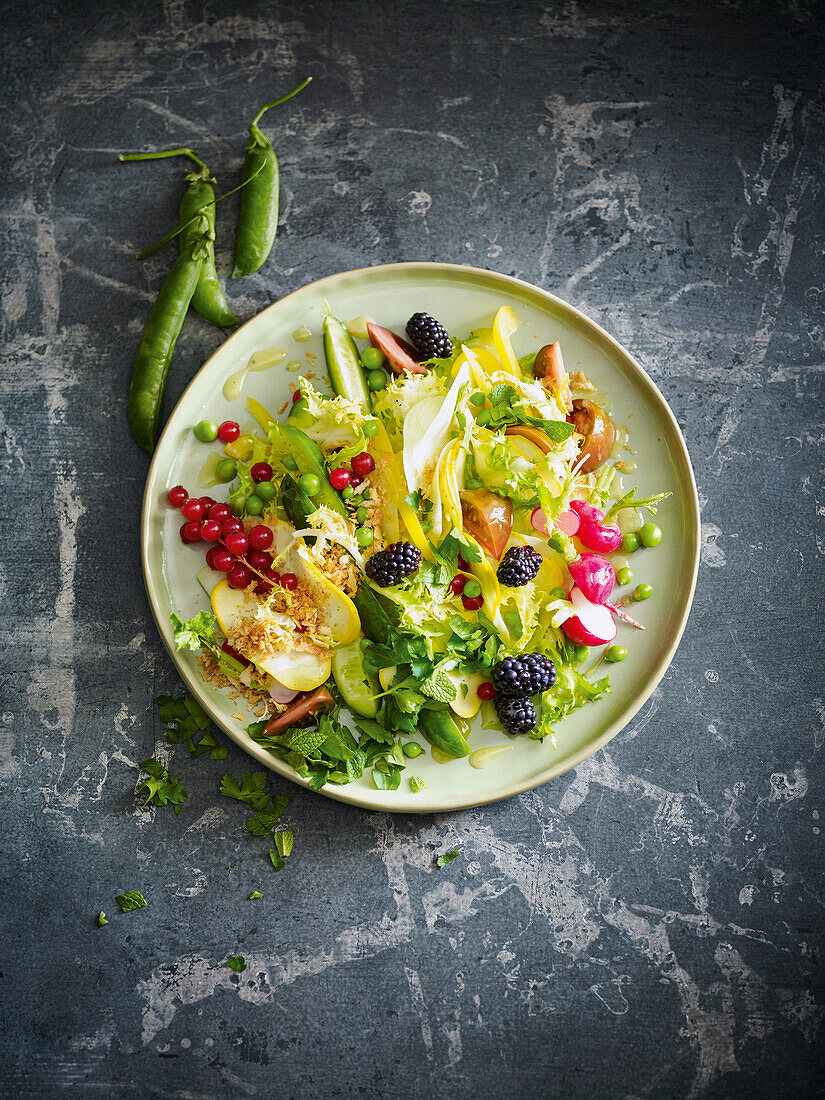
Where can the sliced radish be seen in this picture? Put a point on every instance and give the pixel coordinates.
(539, 522)
(281, 694)
(569, 522)
(594, 577)
(600, 537)
(398, 352)
(587, 513)
(591, 625)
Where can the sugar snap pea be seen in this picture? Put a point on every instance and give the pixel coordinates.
(158, 341)
(199, 199)
(259, 201)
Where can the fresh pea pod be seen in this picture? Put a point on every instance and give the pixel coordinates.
(158, 342)
(199, 198)
(197, 219)
(259, 200)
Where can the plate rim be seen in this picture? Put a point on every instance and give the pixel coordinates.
(346, 793)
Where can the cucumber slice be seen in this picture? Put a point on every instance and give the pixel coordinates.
(344, 363)
(357, 687)
(310, 460)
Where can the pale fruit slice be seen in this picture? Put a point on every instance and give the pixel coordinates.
(357, 687)
(299, 671)
(207, 578)
(336, 610)
(296, 670)
(466, 703)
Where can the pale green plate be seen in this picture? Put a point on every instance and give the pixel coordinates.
(463, 298)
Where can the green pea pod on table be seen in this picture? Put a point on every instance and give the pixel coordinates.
(199, 199)
(259, 199)
(158, 341)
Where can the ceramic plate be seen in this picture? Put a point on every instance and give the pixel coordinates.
(463, 298)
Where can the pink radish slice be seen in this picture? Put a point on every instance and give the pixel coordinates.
(587, 513)
(398, 352)
(569, 522)
(599, 537)
(594, 577)
(539, 522)
(591, 625)
(280, 694)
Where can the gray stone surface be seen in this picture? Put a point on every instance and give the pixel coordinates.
(649, 925)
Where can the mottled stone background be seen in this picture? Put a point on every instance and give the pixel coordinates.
(649, 925)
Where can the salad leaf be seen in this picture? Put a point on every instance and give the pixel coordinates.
(202, 628)
(571, 690)
(128, 902)
(446, 858)
(388, 780)
(161, 787)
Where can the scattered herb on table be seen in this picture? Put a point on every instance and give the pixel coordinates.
(128, 902)
(446, 858)
(255, 895)
(236, 963)
(101, 919)
(162, 788)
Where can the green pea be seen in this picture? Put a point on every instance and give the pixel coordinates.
(376, 380)
(265, 490)
(362, 515)
(371, 429)
(289, 463)
(206, 431)
(642, 591)
(615, 653)
(472, 588)
(411, 750)
(364, 536)
(581, 653)
(310, 483)
(558, 594)
(365, 494)
(650, 534)
(254, 505)
(226, 469)
(477, 399)
(630, 542)
(372, 358)
(484, 417)
(625, 575)
(348, 492)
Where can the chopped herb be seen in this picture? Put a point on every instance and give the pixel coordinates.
(278, 862)
(128, 902)
(416, 784)
(446, 858)
(236, 963)
(101, 919)
(161, 787)
(284, 840)
(255, 895)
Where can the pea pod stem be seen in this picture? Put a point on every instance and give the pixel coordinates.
(163, 154)
(279, 101)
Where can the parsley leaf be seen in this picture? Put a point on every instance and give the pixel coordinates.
(161, 787)
(236, 963)
(101, 919)
(193, 633)
(255, 895)
(128, 902)
(250, 790)
(278, 862)
(446, 858)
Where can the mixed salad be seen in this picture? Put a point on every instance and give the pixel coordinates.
(431, 542)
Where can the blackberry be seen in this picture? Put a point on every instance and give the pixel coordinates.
(516, 714)
(389, 566)
(519, 566)
(529, 674)
(429, 338)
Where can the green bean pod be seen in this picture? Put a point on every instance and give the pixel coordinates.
(209, 299)
(259, 198)
(158, 343)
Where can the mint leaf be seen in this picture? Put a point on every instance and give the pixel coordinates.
(101, 919)
(284, 839)
(446, 858)
(255, 895)
(388, 780)
(303, 741)
(278, 861)
(416, 784)
(128, 902)
(439, 686)
(236, 963)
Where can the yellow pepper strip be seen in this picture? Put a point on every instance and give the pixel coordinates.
(483, 339)
(485, 364)
(490, 590)
(408, 516)
(388, 489)
(450, 476)
(459, 363)
(262, 415)
(505, 324)
(242, 448)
